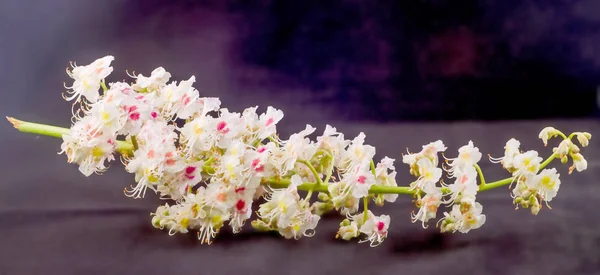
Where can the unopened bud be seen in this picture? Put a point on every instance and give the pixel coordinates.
(448, 227)
(574, 149)
(517, 200)
(525, 204)
(533, 200)
(348, 232)
(583, 139)
(156, 222)
(260, 225)
(322, 208)
(535, 209)
(526, 194)
(564, 159)
(345, 222)
(379, 200)
(323, 197)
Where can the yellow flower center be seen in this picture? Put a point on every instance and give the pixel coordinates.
(548, 182)
(97, 152)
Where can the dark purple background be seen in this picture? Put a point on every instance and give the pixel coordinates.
(353, 64)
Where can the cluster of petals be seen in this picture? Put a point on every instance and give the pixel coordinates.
(211, 162)
(213, 165)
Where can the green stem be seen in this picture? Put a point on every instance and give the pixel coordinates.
(126, 148)
(134, 142)
(481, 178)
(313, 170)
(547, 161)
(366, 209)
(123, 147)
(373, 169)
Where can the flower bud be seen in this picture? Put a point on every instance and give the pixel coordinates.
(347, 232)
(260, 225)
(156, 222)
(547, 133)
(574, 149)
(322, 208)
(379, 200)
(517, 200)
(564, 159)
(525, 204)
(323, 197)
(564, 147)
(526, 194)
(583, 138)
(447, 226)
(533, 200)
(535, 209)
(345, 222)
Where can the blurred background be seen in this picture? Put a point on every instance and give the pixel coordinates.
(404, 72)
(349, 60)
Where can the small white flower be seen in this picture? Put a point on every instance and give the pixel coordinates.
(281, 205)
(429, 174)
(583, 138)
(296, 147)
(348, 230)
(511, 150)
(87, 79)
(158, 79)
(463, 221)
(547, 133)
(468, 155)
(465, 184)
(547, 183)
(526, 163)
(428, 206)
(361, 180)
(376, 229)
(333, 142)
(268, 122)
(356, 153)
(579, 163)
(564, 148)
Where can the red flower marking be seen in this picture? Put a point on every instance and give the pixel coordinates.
(190, 169)
(186, 99)
(222, 127)
(362, 179)
(240, 205)
(134, 116)
(269, 121)
(380, 226)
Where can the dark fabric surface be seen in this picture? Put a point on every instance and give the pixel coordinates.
(53, 220)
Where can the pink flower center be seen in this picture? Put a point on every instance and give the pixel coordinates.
(362, 179)
(153, 114)
(269, 121)
(190, 169)
(134, 116)
(240, 205)
(240, 189)
(186, 99)
(222, 127)
(258, 167)
(380, 226)
(261, 149)
(151, 154)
